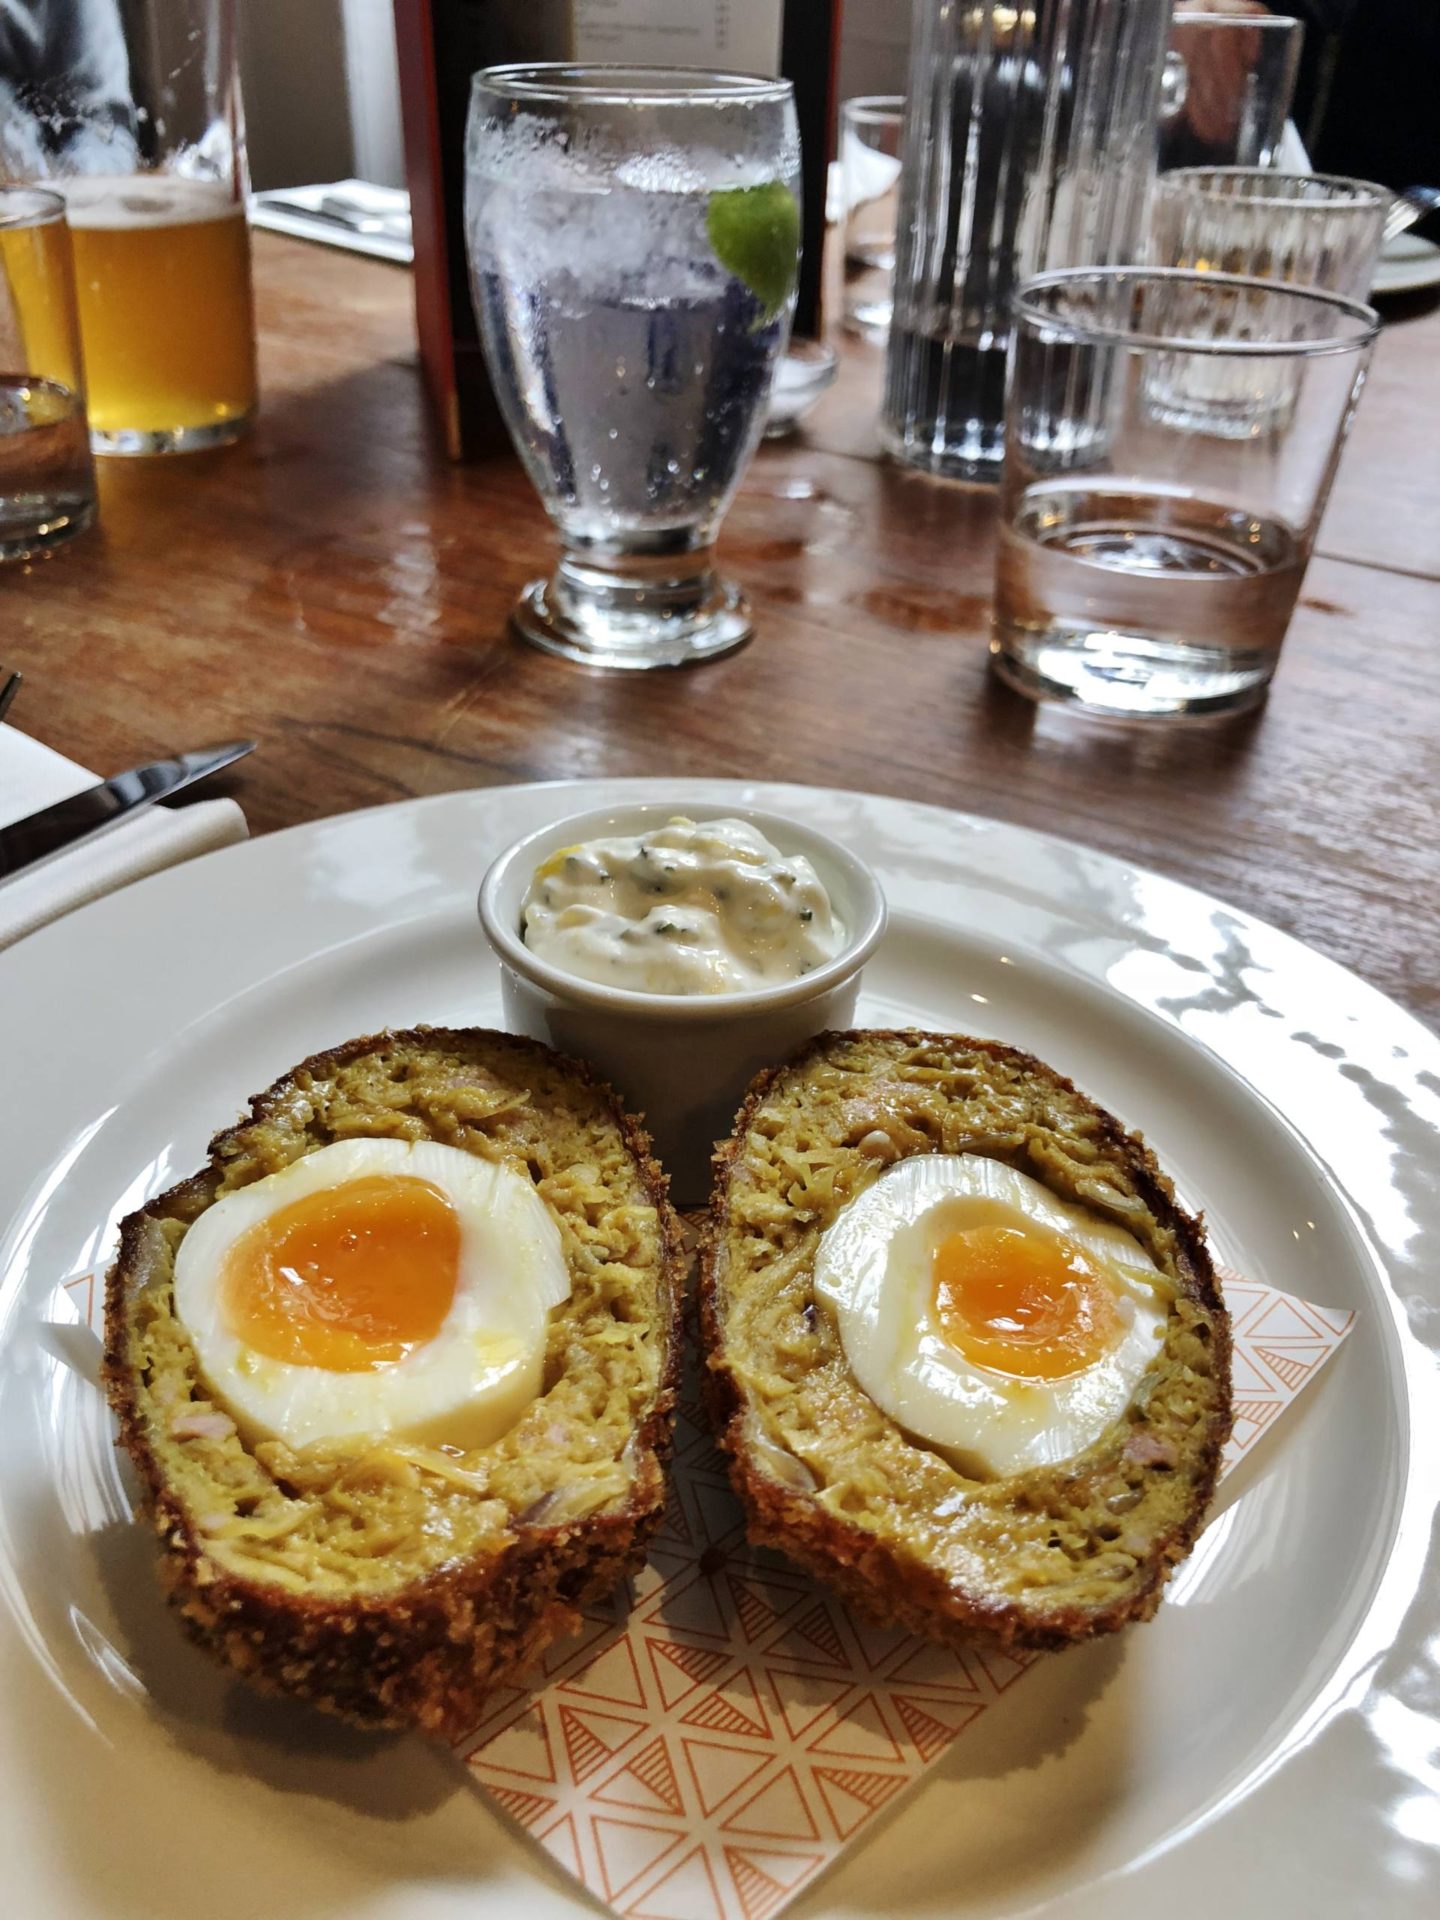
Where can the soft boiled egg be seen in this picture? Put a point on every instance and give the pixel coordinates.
(999, 1324)
(374, 1287)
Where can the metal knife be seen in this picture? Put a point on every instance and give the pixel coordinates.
(26, 843)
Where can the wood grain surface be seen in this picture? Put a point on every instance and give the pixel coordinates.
(335, 588)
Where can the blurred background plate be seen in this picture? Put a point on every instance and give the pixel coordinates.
(1407, 264)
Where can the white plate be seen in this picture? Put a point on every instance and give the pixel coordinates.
(1406, 264)
(1266, 1746)
(309, 213)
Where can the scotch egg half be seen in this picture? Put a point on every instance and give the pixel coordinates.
(374, 1287)
(999, 1324)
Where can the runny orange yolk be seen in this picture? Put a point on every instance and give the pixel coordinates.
(1030, 1304)
(349, 1279)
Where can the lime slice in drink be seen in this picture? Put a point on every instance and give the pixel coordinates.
(755, 232)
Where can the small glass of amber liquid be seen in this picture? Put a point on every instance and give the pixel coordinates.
(144, 138)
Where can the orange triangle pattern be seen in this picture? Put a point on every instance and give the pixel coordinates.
(592, 1738)
(687, 1892)
(929, 1734)
(733, 1708)
(497, 1704)
(563, 1844)
(1246, 1377)
(1283, 1319)
(777, 1812)
(758, 1604)
(647, 1783)
(859, 1734)
(720, 1771)
(879, 1644)
(802, 1699)
(691, 1427)
(674, 1523)
(528, 1808)
(1242, 1296)
(522, 1747)
(1257, 1413)
(714, 1501)
(690, 1607)
(763, 1879)
(628, 1849)
(679, 1668)
(851, 1796)
(574, 1645)
(1335, 1320)
(1002, 1670)
(87, 1310)
(612, 1676)
(1293, 1367)
(819, 1631)
(931, 1666)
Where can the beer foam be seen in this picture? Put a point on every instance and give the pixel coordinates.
(121, 202)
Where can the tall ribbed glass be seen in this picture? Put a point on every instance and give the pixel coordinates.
(1029, 145)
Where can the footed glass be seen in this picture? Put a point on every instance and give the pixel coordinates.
(633, 238)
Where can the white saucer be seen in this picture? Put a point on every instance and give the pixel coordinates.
(1406, 265)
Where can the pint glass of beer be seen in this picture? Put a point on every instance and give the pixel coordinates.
(136, 121)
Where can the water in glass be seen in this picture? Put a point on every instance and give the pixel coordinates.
(1155, 601)
(634, 291)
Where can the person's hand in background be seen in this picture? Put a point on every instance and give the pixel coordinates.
(1218, 65)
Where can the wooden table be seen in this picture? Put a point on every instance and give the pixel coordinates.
(334, 587)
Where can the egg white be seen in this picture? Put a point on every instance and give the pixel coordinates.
(873, 1270)
(465, 1386)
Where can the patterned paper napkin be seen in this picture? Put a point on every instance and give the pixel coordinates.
(717, 1734)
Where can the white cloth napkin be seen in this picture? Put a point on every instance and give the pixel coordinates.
(32, 776)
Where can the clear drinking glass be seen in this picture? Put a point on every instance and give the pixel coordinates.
(633, 237)
(1313, 229)
(1029, 144)
(1148, 566)
(47, 478)
(138, 124)
(1229, 82)
(870, 130)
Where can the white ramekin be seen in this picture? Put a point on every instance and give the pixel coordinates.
(680, 1060)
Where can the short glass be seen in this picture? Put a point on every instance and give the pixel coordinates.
(142, 132)
(1314, 229)
(870, 130)
(1149, 566)
(1228, 84)
(633, 237)
(47, 478)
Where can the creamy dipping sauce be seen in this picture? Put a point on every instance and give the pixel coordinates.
(683, 908)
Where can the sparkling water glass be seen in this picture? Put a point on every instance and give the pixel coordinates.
(633, 237)
(1148, 565)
